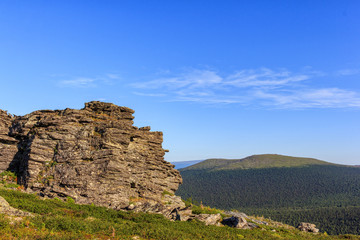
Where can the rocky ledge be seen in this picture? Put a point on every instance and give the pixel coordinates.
(93, 155)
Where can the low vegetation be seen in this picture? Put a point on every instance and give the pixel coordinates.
(199, 208)
(55, 219)
(8, 180)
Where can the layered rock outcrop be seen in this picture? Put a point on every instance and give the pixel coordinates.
(8, 145)
(93, 155)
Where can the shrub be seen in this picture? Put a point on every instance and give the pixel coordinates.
(70, 200)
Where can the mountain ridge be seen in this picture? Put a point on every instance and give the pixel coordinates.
(255, 162)
(184, 164)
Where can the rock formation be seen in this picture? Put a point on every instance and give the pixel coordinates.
(93, 155)
(8, 145)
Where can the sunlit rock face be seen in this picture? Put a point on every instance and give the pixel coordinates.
(93, 155)
(8, 145)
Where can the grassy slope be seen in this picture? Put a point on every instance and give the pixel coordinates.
(255, 161)
(59, 220)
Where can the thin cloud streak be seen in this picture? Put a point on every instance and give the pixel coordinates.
(312, 98)
(348, 72)
(264, 77)
(85, 82)
(261, 87)
(150, 94)
(207, 100)
(78, 82)
(194, 79)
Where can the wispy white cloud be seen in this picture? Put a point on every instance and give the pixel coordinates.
(311, 98)
(78, 82)
(259, 87)
(348, 72)
(193, 79)
(150, 94)
(86, 82)
(263, 78)
(208, 100)
(112, 76)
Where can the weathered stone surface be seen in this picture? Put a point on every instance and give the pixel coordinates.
(308, 227)
(236, 222)
(168, 206)
(209, 219)
(236, 214)
(183, 214)
(93, 155)
(8, 145)
(6, 209)
(243, 215)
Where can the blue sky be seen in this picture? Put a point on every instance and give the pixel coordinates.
(220, 78)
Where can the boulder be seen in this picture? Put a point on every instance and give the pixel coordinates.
(236, 222)
(168, 205)
(184, 214)
(243, 215)
(308, 227)
(236, 214)
(208, 219)
(6, 209)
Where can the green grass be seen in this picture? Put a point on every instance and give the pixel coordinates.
(198, 208)
(8, 179)
(9, 174)
(56, 219)
(167, 193)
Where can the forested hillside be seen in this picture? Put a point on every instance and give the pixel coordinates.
(326, 194)
(256, 161)
(333, 220)
(185, 164)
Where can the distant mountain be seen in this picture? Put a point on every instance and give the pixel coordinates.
(289, 189)
(184, 164)
(255, 161)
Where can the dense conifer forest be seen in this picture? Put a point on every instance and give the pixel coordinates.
(332, 220)
(327, 195)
